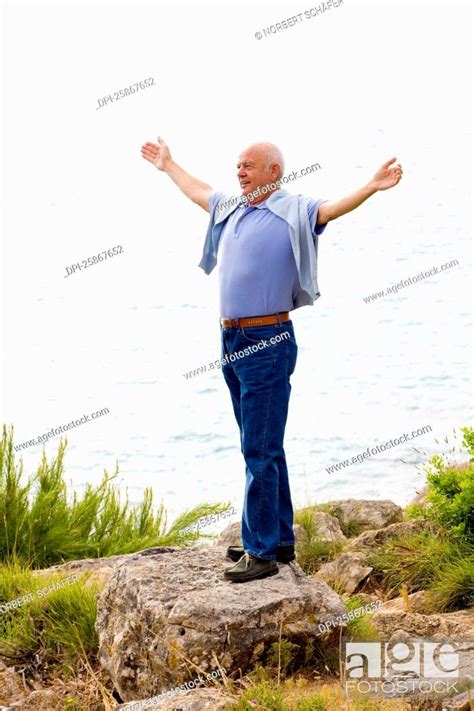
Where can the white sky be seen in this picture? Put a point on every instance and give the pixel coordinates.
(347, 89)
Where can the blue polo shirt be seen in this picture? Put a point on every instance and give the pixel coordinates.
(256, 265)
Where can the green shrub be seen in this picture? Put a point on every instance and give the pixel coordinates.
(450, 497)
(414, 511)
(41, 524)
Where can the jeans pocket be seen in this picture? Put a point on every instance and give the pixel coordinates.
(270, 334)
(257, 334)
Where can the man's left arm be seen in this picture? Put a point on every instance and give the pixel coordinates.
(386, 177)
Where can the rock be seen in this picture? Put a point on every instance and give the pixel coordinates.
(456, 628)
(412, 680)
(379, 536)
(299, 532)
(327, 527)
(231, 535)
(205, 699)
(456, 625)
(101, 568)
(39, 700)
(417, 602)
(161, 617)
(346, 572)
(368, 513)
(420, 498)
(11, 685)
(458, 703)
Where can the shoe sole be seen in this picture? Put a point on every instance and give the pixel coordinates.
(248, 578)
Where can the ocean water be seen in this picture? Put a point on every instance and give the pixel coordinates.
(121, 334)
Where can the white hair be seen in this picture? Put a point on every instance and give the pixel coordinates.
(274, 155)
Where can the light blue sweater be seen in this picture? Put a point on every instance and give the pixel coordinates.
(294, 210)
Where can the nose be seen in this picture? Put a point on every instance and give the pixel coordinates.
(241, 173)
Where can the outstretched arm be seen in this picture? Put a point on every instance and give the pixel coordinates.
(383, 179)
(159, 155)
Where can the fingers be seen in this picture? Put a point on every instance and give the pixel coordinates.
(397, 175)
(389, 162)
(150, 151)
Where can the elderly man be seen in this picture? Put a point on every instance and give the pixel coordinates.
(265, 246)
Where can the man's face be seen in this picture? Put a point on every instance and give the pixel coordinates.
(253, 171)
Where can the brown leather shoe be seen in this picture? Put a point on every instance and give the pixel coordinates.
(250, 568)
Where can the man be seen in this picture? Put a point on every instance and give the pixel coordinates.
(265, 246)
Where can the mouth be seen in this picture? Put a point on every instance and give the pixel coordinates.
(243, 184)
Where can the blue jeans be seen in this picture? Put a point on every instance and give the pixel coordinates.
(259, 382)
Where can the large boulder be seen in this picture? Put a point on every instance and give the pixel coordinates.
(100, 569)
(368, 513)
(162, 617)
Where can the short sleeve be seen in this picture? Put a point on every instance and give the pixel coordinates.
(214, 198)
(313, 208)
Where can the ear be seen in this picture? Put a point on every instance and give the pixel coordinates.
(275, 170)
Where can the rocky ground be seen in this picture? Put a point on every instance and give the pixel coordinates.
(166, 615)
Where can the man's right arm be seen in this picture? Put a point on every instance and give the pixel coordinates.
(159, 155)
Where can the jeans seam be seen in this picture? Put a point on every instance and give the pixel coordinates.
(265, 435)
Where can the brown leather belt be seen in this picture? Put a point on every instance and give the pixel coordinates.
(254, 320)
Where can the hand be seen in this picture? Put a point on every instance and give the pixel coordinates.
(386, 177)
(157, 153)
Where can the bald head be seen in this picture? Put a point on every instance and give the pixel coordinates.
(261, 164)
(268, 153)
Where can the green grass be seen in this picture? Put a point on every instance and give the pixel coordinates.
(313, 702)
(360, 627)
(56, 626)
(262, 692)
(439, 564)
(311, 551)
(41, 523)
(454, 588)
